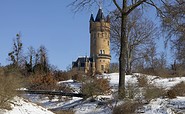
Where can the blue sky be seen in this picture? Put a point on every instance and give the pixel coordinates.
(45, 22)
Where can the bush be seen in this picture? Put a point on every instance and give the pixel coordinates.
(142, 81)
(8, 84)
(129, 107)
(43, 82)
(131, 90)
(93, 87)
(179, 89)
(171, 94)
(152, 92)
(61, 76)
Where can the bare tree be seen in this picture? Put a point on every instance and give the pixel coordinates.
(114, 67)
(16, 54)
(125, 7)
(41, 60)
(151, 58)
(31, 56)
(141, 33)
(173, 22)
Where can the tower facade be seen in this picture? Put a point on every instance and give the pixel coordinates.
(100, 41)
(99, 60)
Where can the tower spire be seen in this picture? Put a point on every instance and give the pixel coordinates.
(99, 15)
(92, 17)
(100, 4)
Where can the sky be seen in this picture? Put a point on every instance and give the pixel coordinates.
(46, 22)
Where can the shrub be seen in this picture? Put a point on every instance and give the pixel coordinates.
(8, 84)
(152, 92)
(129, 107)
(43, 82)
(142, 81)
(78, 76)
(61, 76)
(131, 90)
(97, 86)
(179, 89)
(171, 94)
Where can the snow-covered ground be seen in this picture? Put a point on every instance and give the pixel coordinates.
(100, 105)
(23, 106)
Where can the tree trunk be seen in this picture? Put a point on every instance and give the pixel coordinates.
(123, 51)
(129, 61)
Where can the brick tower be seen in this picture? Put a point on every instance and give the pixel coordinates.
(100, 41)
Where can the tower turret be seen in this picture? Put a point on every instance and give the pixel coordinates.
(100, 41)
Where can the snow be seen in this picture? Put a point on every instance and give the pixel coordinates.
(74, 85)
(101, 104)
(22, 106)
(167, 83)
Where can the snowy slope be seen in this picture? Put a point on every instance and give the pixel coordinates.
(22, 106)
(81, 106)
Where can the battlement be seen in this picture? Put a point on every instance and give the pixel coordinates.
(99, 26)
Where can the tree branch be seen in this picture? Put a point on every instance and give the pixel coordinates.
(116, 4)
(133, 6)
(78, 5)
(153, 4)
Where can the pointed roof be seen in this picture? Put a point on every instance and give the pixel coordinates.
(100, 15)
(108, 18)
(92, 17)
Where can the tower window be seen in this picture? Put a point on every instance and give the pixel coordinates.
(102, 51)
(108, 43)
(102, 67)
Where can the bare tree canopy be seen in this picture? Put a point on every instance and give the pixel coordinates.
(125, 7)
(16, 54)
(173, 23)
(141, 33)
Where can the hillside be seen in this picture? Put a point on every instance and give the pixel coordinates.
(104, 104)
(23, 106)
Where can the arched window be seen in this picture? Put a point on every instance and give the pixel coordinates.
(102, 51)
